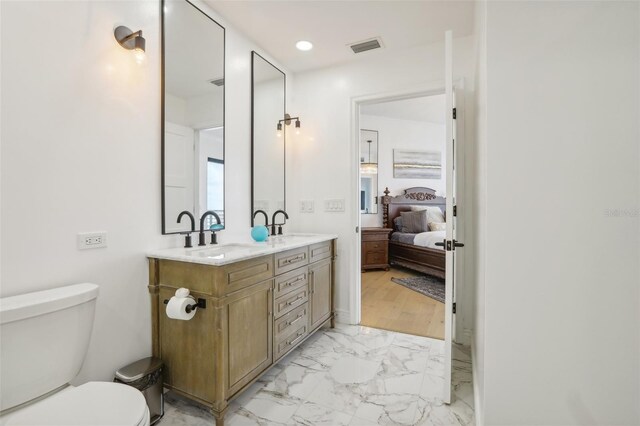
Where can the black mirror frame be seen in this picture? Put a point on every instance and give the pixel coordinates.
(162, 108)
(284, 133)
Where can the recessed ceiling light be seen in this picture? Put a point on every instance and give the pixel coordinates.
(304, 45)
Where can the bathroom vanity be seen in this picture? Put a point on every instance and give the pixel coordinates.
(262, 301)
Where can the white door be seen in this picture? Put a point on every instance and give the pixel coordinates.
(179, 179)
(450, 243)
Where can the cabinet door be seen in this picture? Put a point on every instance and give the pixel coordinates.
(320, 276)
(186, 348)
(250, 334)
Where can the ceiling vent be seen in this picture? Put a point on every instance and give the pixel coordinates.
(218, 82)
(363, 46)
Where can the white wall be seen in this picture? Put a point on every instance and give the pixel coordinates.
(561, 297)
(81, 152)
(394, 133)
(197, 112)
(321, 157)
(476, 237)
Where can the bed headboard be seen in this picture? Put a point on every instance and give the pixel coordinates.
(416, 196)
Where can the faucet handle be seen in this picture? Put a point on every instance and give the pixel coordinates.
(214, 237)
(187, 239)
(279, 229)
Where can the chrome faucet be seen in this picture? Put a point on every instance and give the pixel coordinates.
(214, 239)
(187, 235)
(273, 222)
(266, 217)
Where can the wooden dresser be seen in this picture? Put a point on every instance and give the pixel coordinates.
(375, 248)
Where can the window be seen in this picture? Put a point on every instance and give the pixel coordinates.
(215, 188)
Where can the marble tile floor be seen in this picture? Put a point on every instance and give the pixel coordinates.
(350, 375)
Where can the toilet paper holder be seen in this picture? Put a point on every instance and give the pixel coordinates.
(202, 304)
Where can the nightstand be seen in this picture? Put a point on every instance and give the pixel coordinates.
(375, 248)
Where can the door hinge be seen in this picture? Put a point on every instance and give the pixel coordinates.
(454, 113)
(357, 229)
(454, 307)
(455, 210)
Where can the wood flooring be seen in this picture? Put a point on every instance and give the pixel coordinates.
(390, 306)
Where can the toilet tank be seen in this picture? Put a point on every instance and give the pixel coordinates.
(43, 340)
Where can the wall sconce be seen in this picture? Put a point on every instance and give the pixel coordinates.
(131, 41)
(287, 120)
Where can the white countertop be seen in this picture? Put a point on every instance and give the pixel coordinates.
(223, 254)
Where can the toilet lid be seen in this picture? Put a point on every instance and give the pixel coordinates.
(94, 403)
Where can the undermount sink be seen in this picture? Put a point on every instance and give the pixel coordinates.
(275, 239)
(221, 250)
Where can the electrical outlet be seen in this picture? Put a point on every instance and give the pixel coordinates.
(91, 240)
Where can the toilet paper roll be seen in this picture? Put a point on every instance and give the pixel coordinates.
(177, 308)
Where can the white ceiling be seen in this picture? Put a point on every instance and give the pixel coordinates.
(332, 25)
(427, 109)
(194, 51)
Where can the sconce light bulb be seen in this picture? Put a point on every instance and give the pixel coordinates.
(279, 133)
(140, 56)
(298, 131)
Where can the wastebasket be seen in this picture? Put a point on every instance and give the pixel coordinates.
(146, 376)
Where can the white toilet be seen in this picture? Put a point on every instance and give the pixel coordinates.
(44, 339)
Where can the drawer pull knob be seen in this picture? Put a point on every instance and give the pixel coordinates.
(293, 259)
(295, 300)
(298, 318)
(290, 342)
(290, 283)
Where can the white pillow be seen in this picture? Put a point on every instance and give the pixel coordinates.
(437, 226)
(434, 214)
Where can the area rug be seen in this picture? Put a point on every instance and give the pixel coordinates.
(429, 286)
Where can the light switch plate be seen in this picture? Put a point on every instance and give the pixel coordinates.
(306, 206)
(91, 240)
(334, 205)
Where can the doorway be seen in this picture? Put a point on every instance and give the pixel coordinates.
(402, 152)
(454, 139)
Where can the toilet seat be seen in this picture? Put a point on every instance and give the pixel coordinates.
(91, 404)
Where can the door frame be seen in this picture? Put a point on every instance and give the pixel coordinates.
(427, 89)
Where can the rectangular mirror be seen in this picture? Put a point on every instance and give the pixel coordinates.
(192, 115)
(268, 93)
(368, 171)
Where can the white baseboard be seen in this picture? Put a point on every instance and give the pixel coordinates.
(477, 407)
(464, 338)
(343, 316)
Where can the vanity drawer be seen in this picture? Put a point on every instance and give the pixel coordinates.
(291, 259)
(247, 272)
(286, 323)
(290, 301)
(291, 281)
(291, 340)
(320, 251)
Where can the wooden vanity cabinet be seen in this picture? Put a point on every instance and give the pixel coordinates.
(320, 282)
(249, 330)
(258, 310)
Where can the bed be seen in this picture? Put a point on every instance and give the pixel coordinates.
(416, 251)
